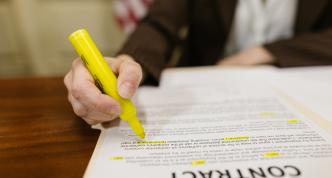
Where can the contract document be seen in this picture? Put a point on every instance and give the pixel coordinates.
(240, 127)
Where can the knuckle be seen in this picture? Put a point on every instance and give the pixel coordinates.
(76, 92)
(79, 88)
(81, 111)
(76, 62)
(66, 80)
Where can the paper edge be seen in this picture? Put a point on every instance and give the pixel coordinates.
(323, 123)
(95, 154)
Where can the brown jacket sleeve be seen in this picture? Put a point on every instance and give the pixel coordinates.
(153, 41)
(308, 49)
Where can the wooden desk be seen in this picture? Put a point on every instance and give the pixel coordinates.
(39, 134)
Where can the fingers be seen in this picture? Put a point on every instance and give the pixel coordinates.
(86, 99)
(129, 75)
(91, 116)
(78, 107)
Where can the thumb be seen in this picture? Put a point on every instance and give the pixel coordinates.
(130, 76)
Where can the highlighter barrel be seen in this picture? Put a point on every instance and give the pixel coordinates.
(104, 77)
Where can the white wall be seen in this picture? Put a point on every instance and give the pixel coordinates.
(33, 33)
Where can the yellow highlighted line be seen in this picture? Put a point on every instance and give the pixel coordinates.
(197, 162)
(151, 142)
(271, 154)
(293, 121)
(115, 158)
(237, 138)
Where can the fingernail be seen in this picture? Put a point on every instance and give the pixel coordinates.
(126, 90)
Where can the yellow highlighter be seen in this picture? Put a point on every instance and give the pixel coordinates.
(104, 77)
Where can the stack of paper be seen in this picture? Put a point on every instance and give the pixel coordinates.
(219, 123)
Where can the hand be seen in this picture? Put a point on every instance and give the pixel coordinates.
(88, 101)
(250, 56)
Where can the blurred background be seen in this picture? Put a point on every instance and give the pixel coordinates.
(33, 34)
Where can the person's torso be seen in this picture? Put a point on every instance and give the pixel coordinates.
(211, 24)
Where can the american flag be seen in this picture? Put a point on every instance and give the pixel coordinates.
(129, 12)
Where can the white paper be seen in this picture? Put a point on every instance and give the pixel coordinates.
(242, 129)
(311, 86)
(211, 76)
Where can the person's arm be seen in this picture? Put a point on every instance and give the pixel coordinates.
(152, 43)
(308, 49)
(251, 56)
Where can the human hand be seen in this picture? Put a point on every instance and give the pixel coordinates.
(251, 56)
(88, 101)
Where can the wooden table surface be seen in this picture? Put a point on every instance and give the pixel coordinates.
(39, 134)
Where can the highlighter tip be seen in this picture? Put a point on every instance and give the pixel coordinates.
(135, 125)
(142, 135)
